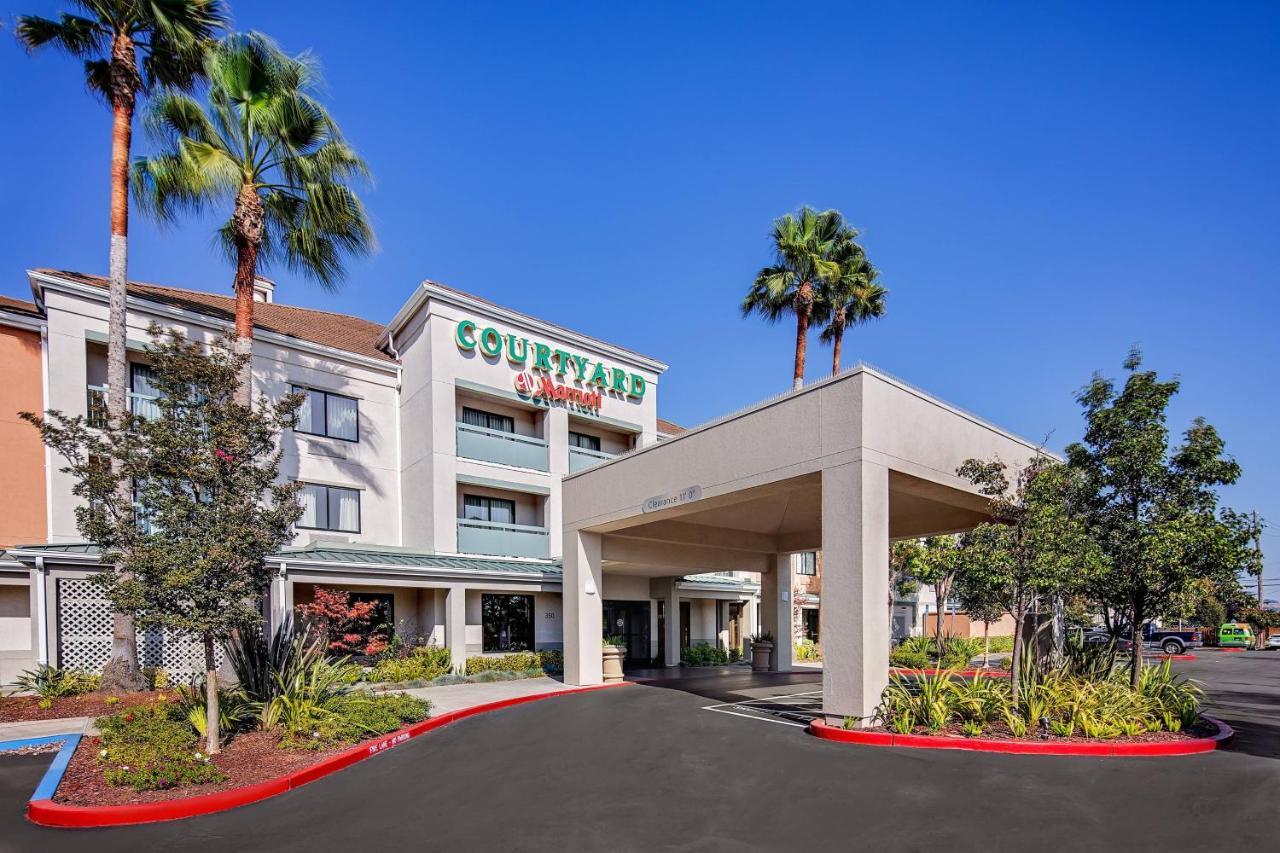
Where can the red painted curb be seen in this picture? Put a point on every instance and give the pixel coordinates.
(962, 673)
(820, 729)
(1175, 657)
(49, 813)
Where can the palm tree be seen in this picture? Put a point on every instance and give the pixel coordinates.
(267, 148)
(849, 297)
(128, 47)
(803, 247)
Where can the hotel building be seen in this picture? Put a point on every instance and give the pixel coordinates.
(432, 451)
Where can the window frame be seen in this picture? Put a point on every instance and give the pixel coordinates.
(324, 418)
(574, 435)
(485, 633)
(488, 502)
(805, 567)
(327, 489)
(488, 420)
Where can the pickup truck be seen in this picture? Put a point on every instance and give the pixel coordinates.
(1170, 642)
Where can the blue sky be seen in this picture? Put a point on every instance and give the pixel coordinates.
(1041, 187)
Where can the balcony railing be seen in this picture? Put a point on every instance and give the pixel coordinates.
(142, 405)
(502, 540)
(581, 457)
(505, 448)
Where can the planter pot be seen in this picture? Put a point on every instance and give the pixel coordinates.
(612, 663)
(761, 656)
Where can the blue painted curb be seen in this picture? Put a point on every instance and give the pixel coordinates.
(52, 776)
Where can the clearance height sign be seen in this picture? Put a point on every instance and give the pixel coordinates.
(550, 369)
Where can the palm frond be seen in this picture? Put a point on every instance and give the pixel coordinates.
(80, 37)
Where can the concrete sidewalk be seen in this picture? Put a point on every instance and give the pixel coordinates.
(44, 728)
(455, 697)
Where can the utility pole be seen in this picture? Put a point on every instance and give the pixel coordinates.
(1257, 548)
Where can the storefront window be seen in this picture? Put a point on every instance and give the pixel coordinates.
(507, 622)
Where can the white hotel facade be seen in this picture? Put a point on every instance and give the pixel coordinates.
(432, 450)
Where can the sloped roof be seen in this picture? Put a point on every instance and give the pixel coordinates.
(340, 331)
(327, 552)
(666, 427)
(18, 306)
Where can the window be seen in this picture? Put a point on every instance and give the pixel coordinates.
(807, 563)
(497, 510)
(488, 420)
(329, 508)
(143, 392)
(507, 622)
(332, 415)
(586, 442)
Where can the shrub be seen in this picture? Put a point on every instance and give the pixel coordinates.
(234, 708)
(808, 650)
(420, 663)
(1002, 643)
(153, 747)
(704, 654)
(959, 652)
(52, 682)
(550, 661)
(907, 658)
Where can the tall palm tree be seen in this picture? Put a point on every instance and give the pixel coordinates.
(266, 147)
(803, 246)
(128, 47)
(851, 296)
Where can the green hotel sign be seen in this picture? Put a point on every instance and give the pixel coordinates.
(549, 361)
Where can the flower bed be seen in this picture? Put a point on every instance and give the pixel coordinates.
(1206, 735)
(14, 709)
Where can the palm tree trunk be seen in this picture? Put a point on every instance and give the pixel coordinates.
(121, 671)
(803, 305)
(248, 218)
(836, 344)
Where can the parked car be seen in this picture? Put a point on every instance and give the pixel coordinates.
(1235, 635)
(1273, 642)
(1099, 636)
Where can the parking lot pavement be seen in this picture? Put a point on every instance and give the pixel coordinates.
(650, 769)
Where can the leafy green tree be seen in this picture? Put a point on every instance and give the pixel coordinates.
(851, 296)
(980, 602)
(267, 148)
(129, 47)
(188, 551)
(933, 561)
(805, 245)
(1152, 508)
(1035, 551)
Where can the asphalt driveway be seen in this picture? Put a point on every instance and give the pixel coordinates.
(648, 768)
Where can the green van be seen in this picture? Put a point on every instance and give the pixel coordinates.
(1235, 635)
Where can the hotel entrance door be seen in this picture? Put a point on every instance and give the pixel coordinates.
(629, 620)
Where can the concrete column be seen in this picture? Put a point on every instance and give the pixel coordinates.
(855, 585)
(671, 608)
(40, 639)
(555, 429)
(775, 610)
(583, 610)
(277, 608)
(455, 627)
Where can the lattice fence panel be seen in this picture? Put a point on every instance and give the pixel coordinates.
(84, 635)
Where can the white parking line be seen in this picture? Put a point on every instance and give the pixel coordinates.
(746, 706)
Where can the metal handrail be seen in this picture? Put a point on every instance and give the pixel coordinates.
(594, 454)
(497, 525)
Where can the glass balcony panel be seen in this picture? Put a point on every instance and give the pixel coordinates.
(504, 448)
(502, 540)
(581, 457)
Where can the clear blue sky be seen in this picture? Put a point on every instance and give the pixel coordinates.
(1041, 187)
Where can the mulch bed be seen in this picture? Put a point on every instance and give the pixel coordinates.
(249, 758)
(999, 731)
(16, 709)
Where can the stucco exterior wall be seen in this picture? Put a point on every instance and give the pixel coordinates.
(76, 359)
(22, 474)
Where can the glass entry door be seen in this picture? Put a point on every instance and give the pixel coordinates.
(629, 620)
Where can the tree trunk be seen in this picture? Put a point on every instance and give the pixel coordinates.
(986, 644)
(212, 737)
(1015, 671)
(248, 219)
(121, 672)
(1135, 665)
(836, 344)
(803, 305)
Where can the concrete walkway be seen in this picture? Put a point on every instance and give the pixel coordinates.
(43, 728)
(455, 697)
